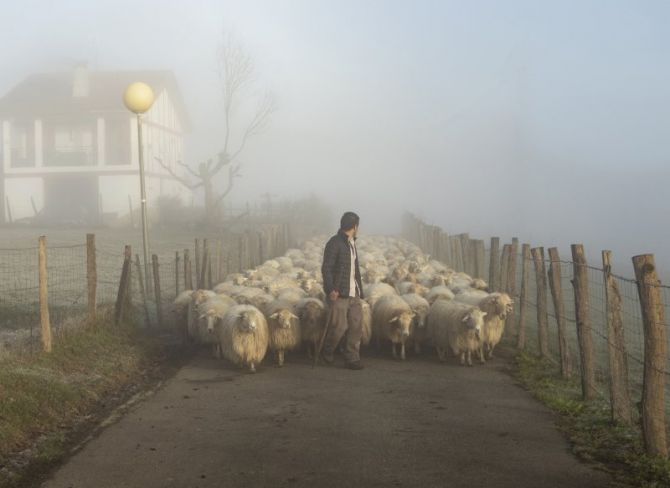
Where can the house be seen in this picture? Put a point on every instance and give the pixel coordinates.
(69, 146)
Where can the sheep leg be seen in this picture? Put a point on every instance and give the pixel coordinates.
(217, 350)
(481, 354)
(491, 346)
(402, 351)
(252, 368)
(393, 351)
(469, 355)
(462, 358)
(280, 358)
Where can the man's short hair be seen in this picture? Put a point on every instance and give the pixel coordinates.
(349, 220)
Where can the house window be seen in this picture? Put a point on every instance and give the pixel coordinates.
(72, 145)
(21, 140)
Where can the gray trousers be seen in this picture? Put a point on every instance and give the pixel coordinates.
(346, 316)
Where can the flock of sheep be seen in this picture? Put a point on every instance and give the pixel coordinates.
(410, 300)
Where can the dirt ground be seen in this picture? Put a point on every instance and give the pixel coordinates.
(415, 423)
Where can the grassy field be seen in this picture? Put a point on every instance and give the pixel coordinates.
(47, 399)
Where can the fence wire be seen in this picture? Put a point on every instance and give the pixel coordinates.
(427, 236)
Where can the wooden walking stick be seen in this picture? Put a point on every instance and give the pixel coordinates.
(317, 353)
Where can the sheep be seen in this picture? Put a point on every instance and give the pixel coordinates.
(405, 287)
(392, 319)
(470, 296)
(227, 288)
(480, 284)
(312, 315)
(244, 296)
(279, 283)
(420, 307)
(457, 326)
(375, 291)
(210, 313)
(261, 300)
(497, 306)
(197, 297)
(292, 295)
(439, 292)
(244, 336)
(284, 328)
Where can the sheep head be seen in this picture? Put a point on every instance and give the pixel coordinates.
(474, 321)
(403, 322)
(284, 318)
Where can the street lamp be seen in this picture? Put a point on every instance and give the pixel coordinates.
(138, 98)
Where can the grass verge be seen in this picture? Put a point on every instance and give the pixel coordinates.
(594, 437)
(47, 400)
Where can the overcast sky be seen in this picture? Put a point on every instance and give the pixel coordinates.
(549, 121)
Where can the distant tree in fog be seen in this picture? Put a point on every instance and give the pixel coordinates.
(246, 114)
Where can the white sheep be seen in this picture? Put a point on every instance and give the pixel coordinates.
(180, 312)
(439, 292)
(497, 306)
(210, 314)
(312, 315)
(197, 297)
(457, 326)
(284, 328)
(375, 291)
(244, 336)
(392, 320)
(420, 307)
(292, 295)
(471, 296)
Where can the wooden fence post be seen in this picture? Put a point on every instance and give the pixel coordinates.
(198, 280)
(122, 294)
(504, 263)
(222, 263)
(204, 263)
(620, 398)
(188, 272)
(176, 273)
(157, 289)
(559, 311)
(91, 277)
(446, 251)
(525, 265)
(580, 284)
(45, 322)
(456, 255)
(494, 265)
(510, 323)
(655, 351)
(541, 285)
(464, 239)
(143, 294)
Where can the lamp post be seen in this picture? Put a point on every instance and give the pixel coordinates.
(138, 98)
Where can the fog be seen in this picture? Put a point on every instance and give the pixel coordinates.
(548, 121)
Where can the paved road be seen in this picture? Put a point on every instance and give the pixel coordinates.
(412, 424)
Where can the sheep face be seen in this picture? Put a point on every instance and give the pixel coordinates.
(247, 322)
(420, 319)
(283, 318)
(311, 314)
(474, 321)
(210, 317)
(403, 322)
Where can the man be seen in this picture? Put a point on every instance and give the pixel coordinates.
(344, 291)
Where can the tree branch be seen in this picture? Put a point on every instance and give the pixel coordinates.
(181, 180)
(233, 172)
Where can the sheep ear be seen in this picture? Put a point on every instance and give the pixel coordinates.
(294, 316)
(274, 315)
(484, 314)
(465, 318)
(394, 319)
(203, 316)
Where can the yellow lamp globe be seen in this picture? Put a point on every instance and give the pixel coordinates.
(138, 97)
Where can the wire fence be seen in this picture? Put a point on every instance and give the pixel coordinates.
(68, 279)
(490, 263)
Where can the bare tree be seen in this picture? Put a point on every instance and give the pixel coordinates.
(237, 77)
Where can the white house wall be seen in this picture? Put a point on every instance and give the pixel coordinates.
(18, 192)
